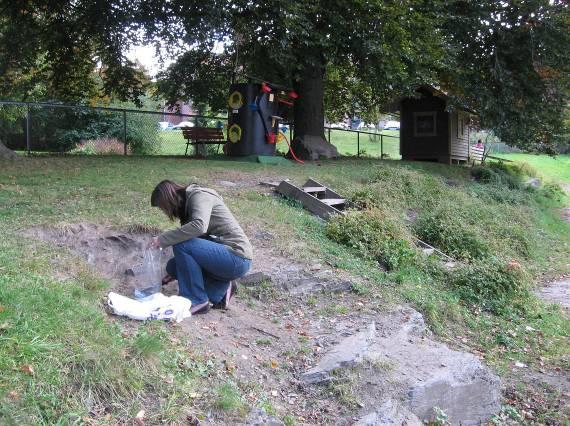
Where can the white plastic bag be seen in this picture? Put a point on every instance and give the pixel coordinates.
(154, 307)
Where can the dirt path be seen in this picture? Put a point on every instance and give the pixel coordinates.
(566, 210)
(558, 291)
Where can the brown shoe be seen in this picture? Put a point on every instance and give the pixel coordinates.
(225, 302)
(202, 308)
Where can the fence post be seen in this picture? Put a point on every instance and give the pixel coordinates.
(125, 132)
(358, 144)
(329, 129)
(28, 145)
(381, 146)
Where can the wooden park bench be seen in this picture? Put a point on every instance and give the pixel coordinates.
(201, 136)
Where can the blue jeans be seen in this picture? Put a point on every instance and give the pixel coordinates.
(204, 269)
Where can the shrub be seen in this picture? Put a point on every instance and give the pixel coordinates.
(102, 146)
(553, 191)
(142, 134)
(448, 229)
(500, 194)
(493, 283)
(500, 174)
(375, 235)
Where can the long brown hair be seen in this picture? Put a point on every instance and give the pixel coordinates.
(170, 197)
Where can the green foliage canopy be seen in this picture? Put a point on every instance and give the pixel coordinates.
(50, 49)
(510, 62)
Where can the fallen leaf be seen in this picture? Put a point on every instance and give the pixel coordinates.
(1, 309)
(28, 369)
(14, 394)
(139, 418)
(194, 395)
(274, 363)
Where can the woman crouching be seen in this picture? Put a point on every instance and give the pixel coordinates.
(210, 248)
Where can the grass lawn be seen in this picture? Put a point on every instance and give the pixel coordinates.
(553, 168)
(63, 358)
(172, 143)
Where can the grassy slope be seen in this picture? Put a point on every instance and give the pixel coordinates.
(79, 357)
(554, 168)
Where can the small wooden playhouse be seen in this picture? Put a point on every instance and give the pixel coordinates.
(432, 130)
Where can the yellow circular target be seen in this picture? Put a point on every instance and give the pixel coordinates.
(235, 101)
(234, 133)
(280, 137)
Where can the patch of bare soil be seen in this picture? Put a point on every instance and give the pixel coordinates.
(109, 252)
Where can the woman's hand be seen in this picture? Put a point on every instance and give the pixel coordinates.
(154, 243)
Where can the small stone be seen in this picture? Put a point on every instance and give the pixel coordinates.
(263, 235)
(228, 183)
(254, 279)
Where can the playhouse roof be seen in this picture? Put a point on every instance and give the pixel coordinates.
(434, 91)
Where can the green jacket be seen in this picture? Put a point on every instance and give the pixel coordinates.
(208, 215)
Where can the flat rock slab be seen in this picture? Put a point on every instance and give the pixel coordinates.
(390, 413)
(346, 354)
(258, 417)
(557, 292)
(298, 281)
(419, 374)
(313, 285)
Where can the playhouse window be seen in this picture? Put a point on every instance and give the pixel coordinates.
(461, 124)
(425, 123)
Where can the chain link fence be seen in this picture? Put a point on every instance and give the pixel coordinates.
(83, 130)
(384, 144)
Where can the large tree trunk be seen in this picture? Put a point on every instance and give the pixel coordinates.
(309, 118)
(7, 153)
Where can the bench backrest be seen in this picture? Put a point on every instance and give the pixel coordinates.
(203, 133)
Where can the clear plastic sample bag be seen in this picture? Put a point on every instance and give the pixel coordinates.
(150, 281)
